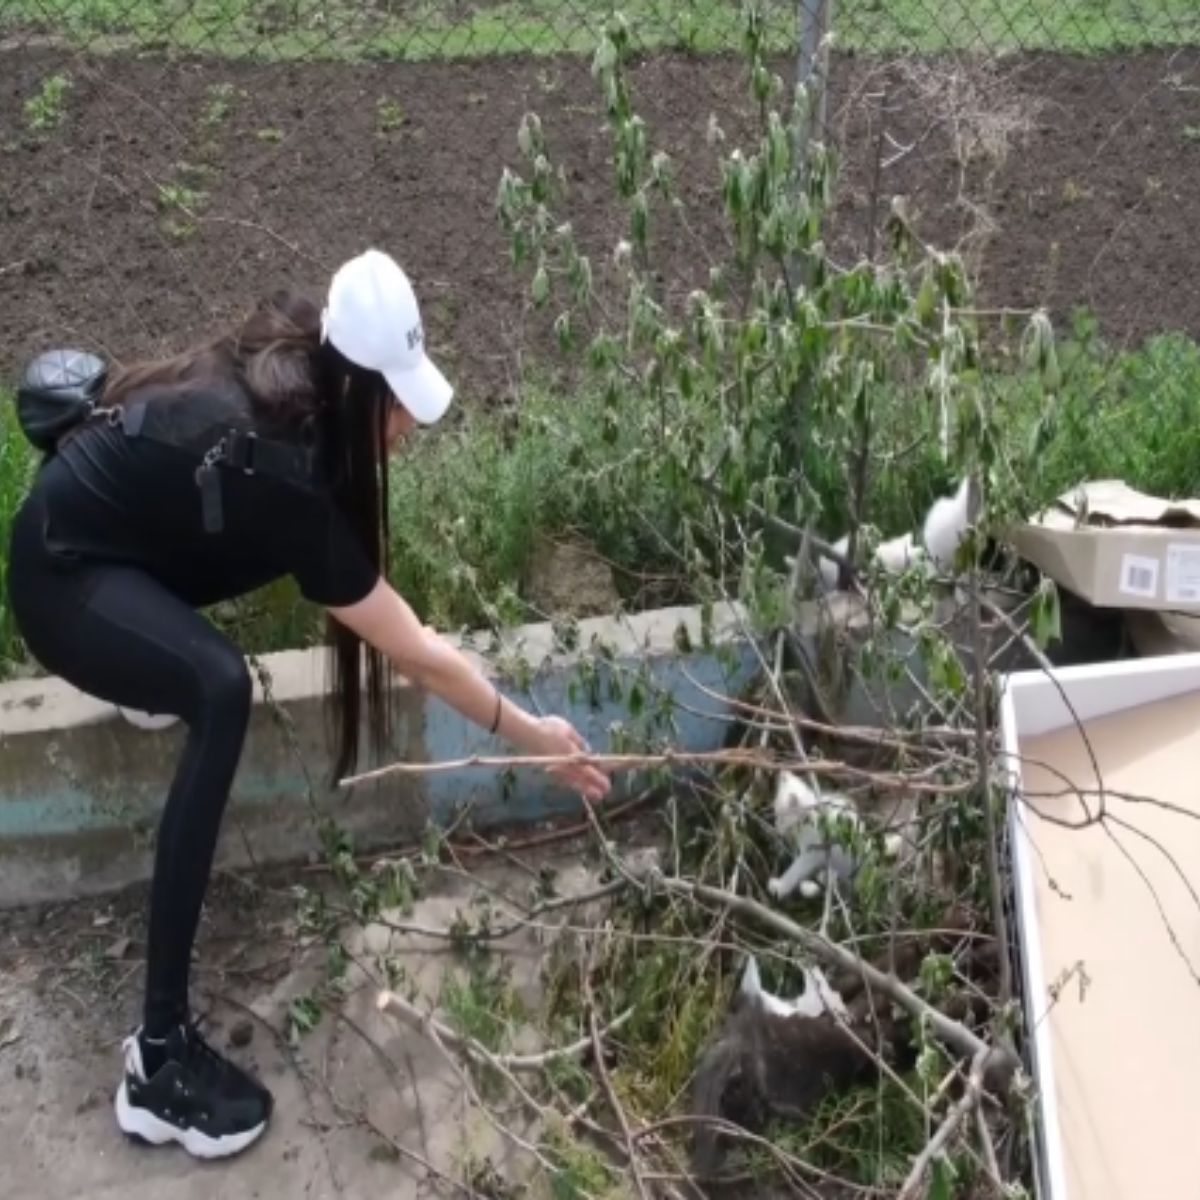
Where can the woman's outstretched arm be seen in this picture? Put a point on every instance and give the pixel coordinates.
(385, 621)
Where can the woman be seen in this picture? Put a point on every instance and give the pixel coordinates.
(259, 455)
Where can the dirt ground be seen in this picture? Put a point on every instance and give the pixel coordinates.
(173, 193)
(362, 1102)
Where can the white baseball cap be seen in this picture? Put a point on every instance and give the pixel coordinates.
(371, 316)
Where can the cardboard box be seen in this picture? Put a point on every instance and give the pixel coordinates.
(1118, 548)
(1107, 924)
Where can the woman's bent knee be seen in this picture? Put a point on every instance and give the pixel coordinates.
(225, 684)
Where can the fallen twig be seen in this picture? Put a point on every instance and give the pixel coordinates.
(524, 921)
(988, 1146)
(398, 1006)
(433, 1030)
(614, 1101)
(363, 1116)
(946, 1130)
(793, 1166)
(560, 832)
(613, 763)
(984, 777)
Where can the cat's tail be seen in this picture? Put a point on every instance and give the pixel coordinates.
(725, 1080)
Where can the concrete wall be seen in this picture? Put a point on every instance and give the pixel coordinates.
(81, 789)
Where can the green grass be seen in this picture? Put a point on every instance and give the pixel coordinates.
(1132, 415)
(17, 460)
(469, 505)
(341, 29)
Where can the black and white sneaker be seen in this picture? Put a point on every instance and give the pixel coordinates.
(196, 1097)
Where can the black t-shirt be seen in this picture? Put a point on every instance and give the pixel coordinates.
(135, 500)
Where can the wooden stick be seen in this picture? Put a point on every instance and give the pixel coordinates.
(991, 1162)
(606, 762)
(946, 1130)
(612, 763)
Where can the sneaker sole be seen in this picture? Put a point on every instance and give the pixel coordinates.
(143, 1125)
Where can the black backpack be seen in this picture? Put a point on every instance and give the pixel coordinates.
(59, 390)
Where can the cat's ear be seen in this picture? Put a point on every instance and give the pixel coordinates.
(751, 980)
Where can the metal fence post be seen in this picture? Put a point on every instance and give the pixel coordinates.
(813, 20)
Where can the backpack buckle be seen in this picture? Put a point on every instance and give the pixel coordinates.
(240, 452)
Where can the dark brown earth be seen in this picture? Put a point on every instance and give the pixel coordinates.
(1094, 202)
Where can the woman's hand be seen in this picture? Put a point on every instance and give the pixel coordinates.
(558, 738)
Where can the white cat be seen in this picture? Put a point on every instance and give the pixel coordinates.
(946, 526)
(943, 532)
(899, 554)
(818, 996)
(800, 814)
(893, 556)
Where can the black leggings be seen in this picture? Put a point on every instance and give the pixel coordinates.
(115, 633)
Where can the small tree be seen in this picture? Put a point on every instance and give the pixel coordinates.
(778, 394)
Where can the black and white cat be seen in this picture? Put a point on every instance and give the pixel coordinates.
(816, 998)
(821, 829)
(774, 1058)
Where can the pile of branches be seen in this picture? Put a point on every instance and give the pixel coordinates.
(684, 992)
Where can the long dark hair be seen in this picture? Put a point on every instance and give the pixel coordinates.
(294, 380)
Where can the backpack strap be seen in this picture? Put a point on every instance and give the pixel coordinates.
(253, 454)
(225, 440)
(62, 390)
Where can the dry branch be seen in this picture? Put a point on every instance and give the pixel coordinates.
(947, 1129)
(398, 1006)
(610, 1092)
(613, 763)
(525, 920)
(433, 1030)
(984, 776)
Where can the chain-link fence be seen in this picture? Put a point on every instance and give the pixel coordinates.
(162, 162)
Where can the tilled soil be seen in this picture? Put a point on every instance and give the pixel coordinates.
(163, 204)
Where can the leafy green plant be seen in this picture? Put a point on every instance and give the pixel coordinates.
(179, 196)
(581, 1173)
(179, 203)
(482, 1004)
(218, 105)
(787, 392)
(46, 109)
(303, 1016)
(389, 116)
